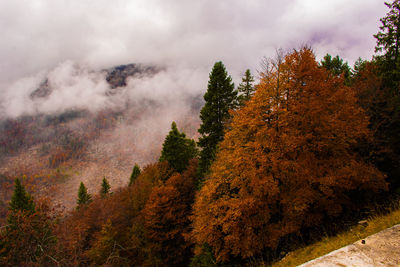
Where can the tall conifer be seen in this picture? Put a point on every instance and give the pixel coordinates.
(219, 99)
(105, 188)
(83, 196)
(135, 174)
(246, 87)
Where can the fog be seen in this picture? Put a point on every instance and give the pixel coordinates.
(69, 43)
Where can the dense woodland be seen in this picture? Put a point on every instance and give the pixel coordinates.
(307, 150)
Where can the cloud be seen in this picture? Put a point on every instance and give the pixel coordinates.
(46, 36)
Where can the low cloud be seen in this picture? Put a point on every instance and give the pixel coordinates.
(69, 42)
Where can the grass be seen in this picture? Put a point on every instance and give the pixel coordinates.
(328, 244)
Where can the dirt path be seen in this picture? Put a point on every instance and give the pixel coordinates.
(380, 249)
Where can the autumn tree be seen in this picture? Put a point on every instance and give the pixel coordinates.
(177, 150)
(246, 88)
(219, 99)
(166, 219)
(287, 163)
(105, 188)
(135, 174)
(83, 196)
(28, 239)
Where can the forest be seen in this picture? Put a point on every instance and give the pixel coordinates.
(309, 149)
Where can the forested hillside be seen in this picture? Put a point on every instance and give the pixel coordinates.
(304, 150)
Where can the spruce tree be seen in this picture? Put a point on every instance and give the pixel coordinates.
(384, 110)
(135, 174)
(177, 149)
(388, 45)
(219, 99)
(20, 201)
(105, 188)
(83, 196)
(337, 67)
(246, 88)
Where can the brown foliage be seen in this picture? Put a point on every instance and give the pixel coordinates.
(287, 162)
(29, 240)
(166, 219)
(108, 231)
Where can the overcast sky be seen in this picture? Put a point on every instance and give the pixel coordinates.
(39, 35)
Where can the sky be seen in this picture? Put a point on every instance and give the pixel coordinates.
(67, 39)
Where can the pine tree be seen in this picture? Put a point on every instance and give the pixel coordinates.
(219, 99)
(105, 188)
(177, 149)
(246, 88)
(385, 111)
(388, 44)
(135, 174)
(83, 196)
(337, 67)
(21, 201)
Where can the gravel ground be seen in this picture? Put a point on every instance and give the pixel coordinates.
(380, 249)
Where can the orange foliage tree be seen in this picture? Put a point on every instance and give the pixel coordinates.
(166, 219)
(287, 162)
(110, 231)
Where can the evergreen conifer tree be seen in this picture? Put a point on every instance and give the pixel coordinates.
(219, 99)
(337, 67)
(388, 45)
(20, 201)
(105, 188)
(177, 149)
(135, 174)
(83, 196)
(246, 88)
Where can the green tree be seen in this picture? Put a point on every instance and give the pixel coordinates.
(21, 201)
(246, 88)
(337, 67)
(135, 174)
(177, 149)
(387, 44)
(105, 188)
(83, 196)
(384, 110)
(219, 99)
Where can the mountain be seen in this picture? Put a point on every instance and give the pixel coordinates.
(54, 151)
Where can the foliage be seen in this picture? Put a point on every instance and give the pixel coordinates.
(288, 161)
(219, 99)
(105, 188)
(83, 196)
(105, 250)
(28, 240)
(21, 201)
(387, 44)
(166, 219)
(337, 67)
(246, 88)
(114, 222)
(385, 104)
(177, 149)
(135, 174)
